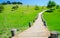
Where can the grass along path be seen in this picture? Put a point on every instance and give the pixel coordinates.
(38, 30)
(53, 20)
(18, 18)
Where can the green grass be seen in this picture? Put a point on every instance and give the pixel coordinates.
(18, 18)
(53, 20)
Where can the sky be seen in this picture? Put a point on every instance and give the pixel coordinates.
(33, 2)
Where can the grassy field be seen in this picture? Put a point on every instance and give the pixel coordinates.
(18, 18)
(53, 20)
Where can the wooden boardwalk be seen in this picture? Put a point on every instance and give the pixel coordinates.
(38, 30)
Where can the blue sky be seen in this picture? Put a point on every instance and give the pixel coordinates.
(33, 2)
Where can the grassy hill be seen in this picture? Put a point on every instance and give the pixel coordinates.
(18, 18)
(53, 20)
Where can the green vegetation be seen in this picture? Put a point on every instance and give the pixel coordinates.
(8, 2)
(36, 8)
(52, 16)
(15, 8)
(19, 18)
(51, 4)
(57, 7)
(53, 20)
(1, 8)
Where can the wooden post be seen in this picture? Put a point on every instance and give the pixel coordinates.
(44, 23)
(13, 32)
(29, 24)
(54, 35)
(43, 20)
(33, 20)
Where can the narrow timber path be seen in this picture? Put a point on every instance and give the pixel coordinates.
(38, 30)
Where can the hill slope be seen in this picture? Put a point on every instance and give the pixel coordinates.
(53, 20)
(18, 18)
